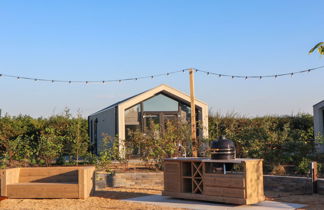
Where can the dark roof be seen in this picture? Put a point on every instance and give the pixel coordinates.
(318, 103)
(117, 103)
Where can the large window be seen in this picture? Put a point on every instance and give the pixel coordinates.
(159, 109)
(132, 115)
(132, 119)
(160, 103)
(185, 113)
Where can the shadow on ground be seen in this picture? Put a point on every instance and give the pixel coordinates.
(119, 193)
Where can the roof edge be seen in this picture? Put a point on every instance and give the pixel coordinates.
(161, 86)
(319, 103)
(165, 87)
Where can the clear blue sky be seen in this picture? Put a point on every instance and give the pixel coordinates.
(95, 40)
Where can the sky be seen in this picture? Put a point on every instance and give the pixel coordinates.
(102, 40)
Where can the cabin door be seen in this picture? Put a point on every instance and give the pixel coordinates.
(158, 121)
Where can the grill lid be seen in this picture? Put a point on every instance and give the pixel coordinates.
(223, 149)
(223, 143)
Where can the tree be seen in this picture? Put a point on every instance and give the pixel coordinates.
(49, 147)
(319, 47)
(16, 137)
(79, 140)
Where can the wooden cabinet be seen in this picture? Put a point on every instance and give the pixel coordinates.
(171, 177)
(237, 181)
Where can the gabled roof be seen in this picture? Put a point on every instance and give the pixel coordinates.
(172, 92)
(321, 104)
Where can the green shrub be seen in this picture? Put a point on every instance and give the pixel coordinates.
(304, 166)
(280, 140)
(156, 145)
(28, 141)
(110, 153)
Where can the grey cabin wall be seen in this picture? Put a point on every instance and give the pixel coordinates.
(106, 125)
(319, 124)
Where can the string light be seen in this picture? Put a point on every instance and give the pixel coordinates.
(260, 76)
(94, 82)
(208, 73)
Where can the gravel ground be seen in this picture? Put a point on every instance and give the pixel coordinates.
(313, 201)
(104, 199)
(109, 198)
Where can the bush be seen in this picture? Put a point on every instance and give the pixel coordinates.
(304, 166)
(278, 140)
(28, 141)
(156, 145)
(110, 153)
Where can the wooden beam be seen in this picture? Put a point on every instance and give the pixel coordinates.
(314, 176)
(193, 115)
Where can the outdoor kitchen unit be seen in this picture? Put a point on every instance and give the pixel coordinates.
(221, 178)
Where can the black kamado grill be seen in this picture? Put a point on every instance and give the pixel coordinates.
(222, 149)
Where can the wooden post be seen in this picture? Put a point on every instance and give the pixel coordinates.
(314, 176)
(193, 114)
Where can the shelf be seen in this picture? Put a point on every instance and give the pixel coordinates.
(187, 185)
(197, 182)
(186, 169)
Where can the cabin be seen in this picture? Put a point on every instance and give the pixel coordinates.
(319, 124)
(158, 105)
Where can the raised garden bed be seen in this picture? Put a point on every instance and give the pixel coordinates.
(47, 182)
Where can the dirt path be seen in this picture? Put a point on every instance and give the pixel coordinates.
(104, 199)
(314, 201)
(110, 198)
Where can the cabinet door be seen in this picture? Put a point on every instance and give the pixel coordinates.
(172, 176)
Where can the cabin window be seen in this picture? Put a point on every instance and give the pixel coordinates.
(91, 130)
(322, 122)
(132, 119)
(95, 136)
(160, 103)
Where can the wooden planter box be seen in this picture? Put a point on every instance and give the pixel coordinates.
(47, 182)
(194, 178)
